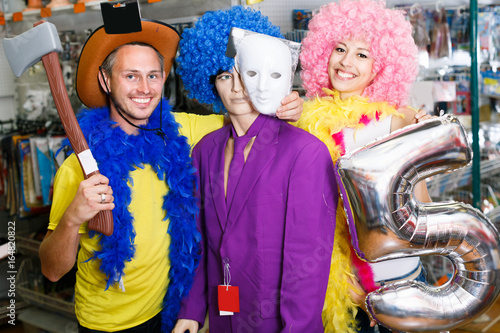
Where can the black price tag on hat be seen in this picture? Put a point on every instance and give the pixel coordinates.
(121, 17)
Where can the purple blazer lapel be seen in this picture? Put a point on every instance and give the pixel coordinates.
(216, 175)
(263, 151)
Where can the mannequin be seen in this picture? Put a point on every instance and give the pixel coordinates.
(274, 188)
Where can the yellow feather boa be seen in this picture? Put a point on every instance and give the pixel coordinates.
(324, 117)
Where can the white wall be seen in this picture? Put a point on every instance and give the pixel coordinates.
(7, 88)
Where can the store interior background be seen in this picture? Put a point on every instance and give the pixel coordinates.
(31, 132)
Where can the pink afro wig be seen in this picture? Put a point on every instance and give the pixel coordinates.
(391, 45)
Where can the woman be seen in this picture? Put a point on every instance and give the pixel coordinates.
(269, 231)
(359, 61)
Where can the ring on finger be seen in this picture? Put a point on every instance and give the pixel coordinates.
(103, 198)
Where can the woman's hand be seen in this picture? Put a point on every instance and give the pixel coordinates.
(358, 295)
(410, 117)
(421, 115)
(291, 107)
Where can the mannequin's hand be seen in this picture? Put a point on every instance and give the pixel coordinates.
(291, 107)
(358, 295)
(184, 325)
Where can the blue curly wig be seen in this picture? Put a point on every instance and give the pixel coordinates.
(203, 49)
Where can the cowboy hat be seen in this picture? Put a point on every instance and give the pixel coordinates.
(163, 37)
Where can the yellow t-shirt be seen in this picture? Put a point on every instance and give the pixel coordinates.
(146, 276)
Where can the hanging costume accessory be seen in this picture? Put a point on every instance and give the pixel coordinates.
(117, 154)
(325, 117)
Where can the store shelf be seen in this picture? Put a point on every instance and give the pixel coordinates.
(494, 216)
(64, 17)
(29, 233)
(34, 289)
(48, 320)
(91, 5)
(27, 246)
(463, 177)
(4, 311)
(490, 96)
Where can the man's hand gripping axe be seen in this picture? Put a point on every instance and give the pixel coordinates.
(42, 43)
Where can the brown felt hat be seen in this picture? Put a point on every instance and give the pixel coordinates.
(163, 37)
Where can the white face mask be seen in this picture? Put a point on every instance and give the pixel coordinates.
(265, 66)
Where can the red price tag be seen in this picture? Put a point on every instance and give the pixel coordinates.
(229, 300)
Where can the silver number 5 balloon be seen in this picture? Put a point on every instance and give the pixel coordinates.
(387, 222)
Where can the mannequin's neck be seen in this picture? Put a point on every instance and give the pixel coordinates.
(242, 123)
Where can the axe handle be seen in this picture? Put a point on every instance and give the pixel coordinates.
(103, 221)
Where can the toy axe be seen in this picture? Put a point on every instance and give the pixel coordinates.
(42, 43)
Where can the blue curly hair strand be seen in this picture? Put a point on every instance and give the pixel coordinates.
(203, 49)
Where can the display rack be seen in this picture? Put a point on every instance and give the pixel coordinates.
(4, 312)
(31, 289)
(48, 321)
(457, 185)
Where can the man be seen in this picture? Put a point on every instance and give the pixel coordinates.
(146, 266)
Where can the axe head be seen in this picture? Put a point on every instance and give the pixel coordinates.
(28, 48)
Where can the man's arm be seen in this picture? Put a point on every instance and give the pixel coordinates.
(194, 306)
(58, 252)
(60, 246)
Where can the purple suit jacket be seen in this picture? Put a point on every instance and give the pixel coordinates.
(277, 234)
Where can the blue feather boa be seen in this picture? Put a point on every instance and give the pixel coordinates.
(117, 154)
